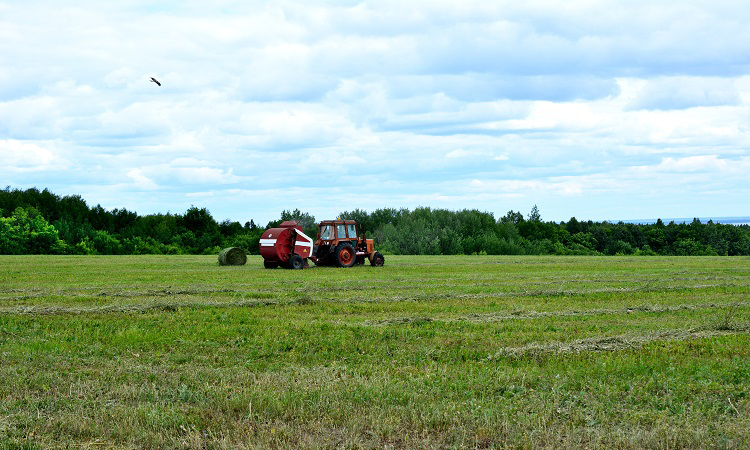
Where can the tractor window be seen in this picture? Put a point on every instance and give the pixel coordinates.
(341, 231)
(352, 230)
(326, 232)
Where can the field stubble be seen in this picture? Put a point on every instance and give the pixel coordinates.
(425, 352)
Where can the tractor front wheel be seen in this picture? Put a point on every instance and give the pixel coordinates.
(345, 255)
(377, 260)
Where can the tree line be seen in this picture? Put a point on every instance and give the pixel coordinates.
(40, 222)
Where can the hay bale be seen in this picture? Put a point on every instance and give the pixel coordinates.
(232, 256)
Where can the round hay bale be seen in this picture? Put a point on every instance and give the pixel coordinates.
(232, 256)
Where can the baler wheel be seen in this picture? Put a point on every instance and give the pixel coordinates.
(296, 262)
(345, 255)
(377, 260)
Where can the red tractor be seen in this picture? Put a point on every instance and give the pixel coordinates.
(339, 243)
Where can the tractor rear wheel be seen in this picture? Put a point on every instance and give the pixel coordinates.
(377, 260)
(296, 262)
(345, 255)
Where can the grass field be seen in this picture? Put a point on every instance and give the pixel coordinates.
(425, 352)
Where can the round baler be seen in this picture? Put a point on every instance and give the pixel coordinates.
(285, 246)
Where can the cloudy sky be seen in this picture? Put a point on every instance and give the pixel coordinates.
(602, 110)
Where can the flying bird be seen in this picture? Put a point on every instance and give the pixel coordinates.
(155, 81)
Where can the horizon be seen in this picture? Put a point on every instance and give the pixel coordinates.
(732, 220)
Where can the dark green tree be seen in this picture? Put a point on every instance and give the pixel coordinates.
(534, 215)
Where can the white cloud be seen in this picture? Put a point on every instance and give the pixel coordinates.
(665, 93)
(25, 156)
(142, 182)
(458, 153)
(205, 175)
(186, 172)
(703, 164)
(574, 105)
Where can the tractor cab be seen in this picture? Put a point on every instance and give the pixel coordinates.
(335, 231)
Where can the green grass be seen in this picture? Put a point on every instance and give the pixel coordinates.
(456, 352)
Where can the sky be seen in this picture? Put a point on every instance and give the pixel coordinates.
(599, 110)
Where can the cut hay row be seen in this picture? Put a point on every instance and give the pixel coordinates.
(530, 315)
(534, 293)
(128, 294)
(495, 317)
(614, 343)
(340, 293)
(472, 318)
(158, 306)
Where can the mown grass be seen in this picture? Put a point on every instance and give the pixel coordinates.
(445, 352)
